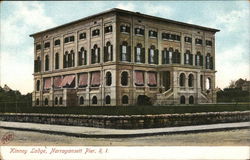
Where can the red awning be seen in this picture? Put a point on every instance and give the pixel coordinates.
(67, 80)
(57, 82)
(139, 79)
(47, 83)
(95, 78)
(152, 78)
(83, 79)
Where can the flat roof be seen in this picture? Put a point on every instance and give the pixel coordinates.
(116, 10)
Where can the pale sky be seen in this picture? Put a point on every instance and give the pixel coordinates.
(20, 19)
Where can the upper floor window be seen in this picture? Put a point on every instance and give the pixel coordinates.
(125, 29)
(152, 34)
(46, 62)
(96, 32)
(95, 54)
(188, 39)
(191, 80)
(188, 58)
(168, 36)
(165, 35)
(108, 52)
(139, 54)
(152, 55)
(57, 61)
(139, 31)
(209, 61)
(182, 80)
(82, 35)
(124, 78)
(37, 65)
(125, 52)
(47, 45)
(208, 43)
(176, 57)
(69, 39)
(198, 59)
(108, 29)
(198, 41)
(37, 85)
(38, 46)
(108, 79)
(57, 42)
(69, 59)
(82, 57)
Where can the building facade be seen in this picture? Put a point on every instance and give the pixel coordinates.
(121, 58)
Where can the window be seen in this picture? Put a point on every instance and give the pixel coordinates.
(167, 56)
(125, 29)
(139, 54)
(139, 78)
(152, 34)
(107, 99)
(37, 101)
(139, 31)
(57, 61)
(165, 36)
(46, 102)
(208, 83)
(108, 29)
(209, 61)
(56, 101)
(38, 46)
(81, 101)
(191, 80)
(168, 36)
(38, 85)
(125, 99)
(108, 79)
(191, 100)
(152, 79)
(82, 57)
(57, 42)
(124, 78)
(60, 101)
(188, 58)
(198, 59)
(188, 39)
(47, 45)
(182, 100)
(153, 55)
(198, 41)
(37, 65)
(94, 100)
(69, 59)
(108, 52)
(125, 52)
(201, 82)
(46, 62)
(82, 35)
(95, 55)
(208, 43)
(96, 32)
(69, 39)
(182, 79)
(176, 57)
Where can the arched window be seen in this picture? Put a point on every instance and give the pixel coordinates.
(108, 52)
(124, 78)
(46, 102)
(81, 101)
(108, 79)
(191, 80)
(176, 57)
(151, 56)
(125, 52)
(107, 99)
(208, 83)
(60, 101)
(139, 53)
(46, 62)
(201, 82)
(95, 54)
(191, 100)
(82, 57)
(182, 100)
(57, 61)
(188, 58)
(56, 101)
(37, 101)
(65, 59)
(94, 100)
(198, 59)
(209, 61)
(37, 85)
(182, 79)
(71, 59)
(125, 99)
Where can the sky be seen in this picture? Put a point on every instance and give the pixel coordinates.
(20, 19)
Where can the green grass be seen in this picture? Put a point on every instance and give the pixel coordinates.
(122, 110)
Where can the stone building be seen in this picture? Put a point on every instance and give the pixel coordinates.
(120, 58)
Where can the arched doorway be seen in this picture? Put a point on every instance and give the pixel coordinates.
(182, 100)
(191, 100)
(143, 100)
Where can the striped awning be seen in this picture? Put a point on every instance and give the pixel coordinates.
(152, 79)
(47, 83)
(67, 80)
(139, 78)
(83, 79)
(57, 82)
(95, 78)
